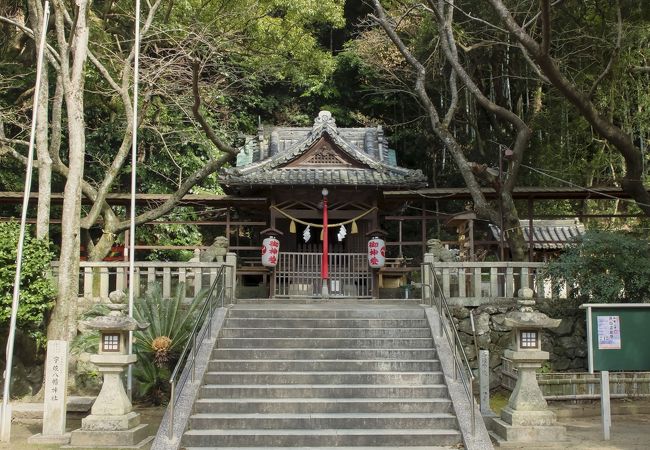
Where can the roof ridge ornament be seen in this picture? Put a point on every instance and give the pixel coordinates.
(324, 119)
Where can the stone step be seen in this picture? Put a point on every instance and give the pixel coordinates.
(325, 343)
(322, 391)
(407, 378)
(428, 447)
(304, 365)
(320, 421)
(361, 333)
(330, 302)
(326, 375)
(326, 313)
(321, 353)
(323, 405)
(332, 437)
(325, 323)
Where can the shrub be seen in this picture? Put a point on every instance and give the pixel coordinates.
(606, 267)
(37, 293)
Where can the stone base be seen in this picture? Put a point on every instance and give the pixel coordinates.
(132, 438)
(504, 434)
(527, 418)
(96, 422)
(60, 439)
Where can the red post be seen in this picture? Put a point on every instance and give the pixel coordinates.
(324, 273)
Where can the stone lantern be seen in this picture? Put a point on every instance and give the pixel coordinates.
(112, 422)
(527, 418)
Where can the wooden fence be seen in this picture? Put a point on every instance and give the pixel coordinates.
(299, 274)
(581, 385)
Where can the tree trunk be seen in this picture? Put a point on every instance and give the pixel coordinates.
(513, 234)
(63, 323)
(102, 247)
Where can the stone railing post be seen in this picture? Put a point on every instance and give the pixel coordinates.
(427, 282)
(231, 275)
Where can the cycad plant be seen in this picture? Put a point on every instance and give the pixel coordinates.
(170, 323)
(158, 346)
(153, 381)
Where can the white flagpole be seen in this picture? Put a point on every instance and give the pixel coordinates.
(5, 417)
(134, 160)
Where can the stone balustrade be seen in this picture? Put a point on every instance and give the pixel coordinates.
(476, 283)
(97, 279)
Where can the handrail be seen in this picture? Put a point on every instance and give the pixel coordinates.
(453, 339)
(216, 293)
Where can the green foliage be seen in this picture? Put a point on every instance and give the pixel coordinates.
(158, 347)
(153, 381)
(166, 317)
(606, 267)
(172, 234)
(37, 291)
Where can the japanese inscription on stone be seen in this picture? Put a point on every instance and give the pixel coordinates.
(54, 408)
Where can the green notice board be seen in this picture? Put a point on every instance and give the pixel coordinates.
(619, 336)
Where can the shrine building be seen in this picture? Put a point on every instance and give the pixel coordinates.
(307, 174)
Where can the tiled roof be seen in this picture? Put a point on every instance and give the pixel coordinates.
(332, 177)
(263, 161)
(549, 234)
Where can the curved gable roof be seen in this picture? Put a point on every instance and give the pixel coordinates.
(286, 147)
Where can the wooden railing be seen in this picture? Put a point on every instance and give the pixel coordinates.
(98, 279)
(299, 274)
(474, 283)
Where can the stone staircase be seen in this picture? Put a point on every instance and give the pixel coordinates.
(323, 375)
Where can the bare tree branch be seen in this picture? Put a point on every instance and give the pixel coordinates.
(532, 64)
(169, 204)
(442, 132)
(196, 111)
(632, 182)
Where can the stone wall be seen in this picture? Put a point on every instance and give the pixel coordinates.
(28, 365)
(567, 344)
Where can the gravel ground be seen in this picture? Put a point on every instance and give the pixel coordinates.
(21, 431)
(630, 428)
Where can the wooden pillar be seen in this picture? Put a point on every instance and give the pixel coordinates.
(472, 253)
(530, 229)
(399, 225)
(374, 217)
(228, 225)
(272, 216)
(125, 254)
(424, 227)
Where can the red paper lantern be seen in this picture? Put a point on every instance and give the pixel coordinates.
(376, 253)
(270, 251)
